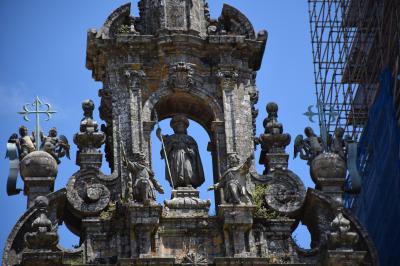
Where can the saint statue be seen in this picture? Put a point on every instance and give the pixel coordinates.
(183, 158)
(143, 183)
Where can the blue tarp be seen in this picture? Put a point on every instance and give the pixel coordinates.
(378, 205)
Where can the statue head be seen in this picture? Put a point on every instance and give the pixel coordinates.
(309, 132)
(179, 124)
(23, 131)
(140, 158)
(53, 132)
(339, 132)
(88, 107)
(233, 160)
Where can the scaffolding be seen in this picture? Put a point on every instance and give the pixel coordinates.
(352, 42)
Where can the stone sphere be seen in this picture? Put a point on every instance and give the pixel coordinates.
(38, 164)
(328, 166)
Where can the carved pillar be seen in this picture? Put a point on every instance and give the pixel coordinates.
(238, 220)
(133, 79)
(143, 221)
(228, 79)
(219, 155)
(148, 127)
(95, 239)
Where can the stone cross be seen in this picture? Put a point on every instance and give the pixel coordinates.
(37, 111)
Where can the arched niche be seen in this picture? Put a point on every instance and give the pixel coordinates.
(196, 106)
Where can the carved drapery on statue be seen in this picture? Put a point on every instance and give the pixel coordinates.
(183, 156)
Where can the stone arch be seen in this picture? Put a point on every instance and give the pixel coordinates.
(199, 107)
(163, 96)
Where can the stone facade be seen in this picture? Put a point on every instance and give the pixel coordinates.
(174, 59)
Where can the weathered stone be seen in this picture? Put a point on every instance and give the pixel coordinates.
(175, 61)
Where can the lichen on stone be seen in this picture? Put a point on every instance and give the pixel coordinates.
(109, 212)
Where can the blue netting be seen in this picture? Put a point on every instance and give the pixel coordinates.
(378, 205)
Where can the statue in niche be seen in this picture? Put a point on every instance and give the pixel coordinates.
(57, 147)
(141, 189)
(182, 155)
(233, 181)
(310, 147)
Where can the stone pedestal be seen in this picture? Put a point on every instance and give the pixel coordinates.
(96, 239)
(185, 202)
(238, 220)
(38, 170)
(143, 221)
(37, 186)
(278, 233)
(89, 160)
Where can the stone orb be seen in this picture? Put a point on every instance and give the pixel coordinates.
(38, 164)
(328, 166)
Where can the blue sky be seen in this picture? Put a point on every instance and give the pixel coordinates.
(43, 50)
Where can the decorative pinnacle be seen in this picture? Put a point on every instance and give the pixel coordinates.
(37, 111)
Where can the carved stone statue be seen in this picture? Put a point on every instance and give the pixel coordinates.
(338, 145)
(310, 147)
(183, 155)
(57, 147)
(233, 181)
(25, 143)
(144, 183)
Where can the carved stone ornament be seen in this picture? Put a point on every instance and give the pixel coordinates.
(340, 236)
(85, 195)
(43, 236)
(133, 78)
(285, 193)
(181, 76)
(227, 79)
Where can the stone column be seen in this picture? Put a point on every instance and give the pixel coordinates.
(95, 239)
(133, 78)
(228, 79)
(238, 220)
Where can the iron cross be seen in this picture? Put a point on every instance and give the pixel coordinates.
(37, 111)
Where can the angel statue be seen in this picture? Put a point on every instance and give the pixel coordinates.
(233, 181)
(310, 147)
(57, 147)
(143, 181)
(25, 144)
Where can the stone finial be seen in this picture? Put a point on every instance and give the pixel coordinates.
(43, 236)
(89, 139)
(340, 237)
(273, 141)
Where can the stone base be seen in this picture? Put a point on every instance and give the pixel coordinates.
(250, 261)
(236, 214)
(343, 257)
(147, 261)
(185, 202)
(42, 258)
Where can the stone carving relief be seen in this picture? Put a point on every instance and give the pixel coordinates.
(181, 76)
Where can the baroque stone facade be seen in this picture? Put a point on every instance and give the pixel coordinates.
(175, 60)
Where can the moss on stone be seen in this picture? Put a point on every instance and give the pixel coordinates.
(262, 210)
